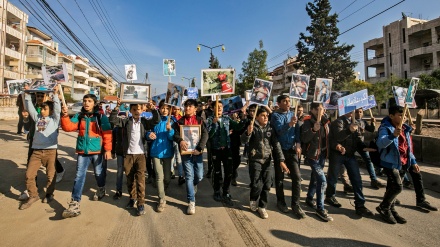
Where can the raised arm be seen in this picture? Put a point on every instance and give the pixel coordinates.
(31, 108)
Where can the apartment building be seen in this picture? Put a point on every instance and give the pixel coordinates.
(409, 47)
(12, 43)
(282, 76)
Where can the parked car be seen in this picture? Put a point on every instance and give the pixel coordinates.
(75, 108)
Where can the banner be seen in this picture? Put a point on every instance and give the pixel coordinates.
(130, 72)
(371, 103)
(352, 102)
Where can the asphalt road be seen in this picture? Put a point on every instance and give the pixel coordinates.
(108, 223)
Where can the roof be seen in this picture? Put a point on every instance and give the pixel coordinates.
(34, 41)
(39, 32)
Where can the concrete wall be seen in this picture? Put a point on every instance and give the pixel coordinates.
(8, 113)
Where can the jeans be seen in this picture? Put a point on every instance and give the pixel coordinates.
(120, 172)
(134, 166)
(193, 167)
(82, 163)
(318, 181)
(350, 163)
(163, 175)
(261, 180)
(394, 187)
(291, 160)
(220, 156)
(370, 167)
(177, 161)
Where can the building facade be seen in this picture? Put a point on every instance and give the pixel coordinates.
(409, 47)
(282, 76)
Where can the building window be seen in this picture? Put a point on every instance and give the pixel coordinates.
(404, 56)
(406, 74)
(389, 39)
(391, 60)
(403, 34)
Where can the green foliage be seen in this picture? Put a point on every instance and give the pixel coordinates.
(68, 98)
(319, 53)
(254, 67)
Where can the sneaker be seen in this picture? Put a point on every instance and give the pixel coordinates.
(99, 194)
(140, 210)
(363, 211)
(191, 208)
(386, 215)
(234, 182)
(253, 206)
(311, 203)
(375, 184)
(263, 213)
(181, 180)
(47, 199)
(73, 210)
(426, 205)
(282, 207)
(398, 218)
(227, 199)
(60, 176)
(408, 185)
(161, 206)
(117, 195)
(348, 189)
(323, 214)
(297, 210)
(332, 201)
(131, 203)
(28, 203)
(24, 196)
(217, 196)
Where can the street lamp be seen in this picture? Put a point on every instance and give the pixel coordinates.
(211, 60)
(191, 81)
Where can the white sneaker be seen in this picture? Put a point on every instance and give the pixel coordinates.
(24, 196)
(60, 176)
(191, 208)
(253, 205)
(263, 213)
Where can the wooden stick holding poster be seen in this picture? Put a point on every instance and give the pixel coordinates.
(296, 106)
(409, 117)
(216, 105)
(60, 91)
(255, 114)
(319, 114)
(403, 116)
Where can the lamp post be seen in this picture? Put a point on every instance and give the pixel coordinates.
(191, 81)
(211, 60)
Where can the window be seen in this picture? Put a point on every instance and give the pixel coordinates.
(391, 60)
(403, 34)
(404, 57)
(406, 74)
(389, 39)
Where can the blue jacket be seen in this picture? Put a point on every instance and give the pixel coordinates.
(287, 136)
(388, 146)
(162, 146)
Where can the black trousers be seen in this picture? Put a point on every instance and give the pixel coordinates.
(291, 160)
(394, 187)
(220, 156)
(20, 123)
(261, 180)
(236, 159)
(149, 163)
(209, 152)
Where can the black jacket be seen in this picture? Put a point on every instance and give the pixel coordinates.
(340, 134)
(124, 129)
(262, 143)
(204, 133)
(364, 126)
(311, 141)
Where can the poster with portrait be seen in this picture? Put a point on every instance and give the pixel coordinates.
(159, 97)
(217, 81)
(17, 86)
(134, 93)
(56, 74)
(323, 88)
(400, 94)
(299, 86)
(169, 67)
(247, 95)
(42, 86)
(191, 135)
(96, 91)
(410, 94)
(261, 92)
(174, 94)
(232, 104)
(130, 72)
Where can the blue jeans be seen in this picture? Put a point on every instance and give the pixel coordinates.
(82, 163)
(177, 161)
(335, 162)
(370, 167)
(317, 180)
(193, 167)
(120, 172)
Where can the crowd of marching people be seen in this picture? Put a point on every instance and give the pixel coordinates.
(148, 147)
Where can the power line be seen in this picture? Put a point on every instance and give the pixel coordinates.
(357, 10)
(347, 7)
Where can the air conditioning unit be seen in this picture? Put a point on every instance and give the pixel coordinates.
(427, 61)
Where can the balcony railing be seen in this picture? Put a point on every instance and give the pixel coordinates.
(12, 53)
(16, 32)
(15, 11)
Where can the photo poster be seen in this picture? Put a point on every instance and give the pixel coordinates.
(299, 86)
(174, 94)
(352, 102)
(334, 97)
(323, 88)
(191, 135)
(275, 97)
(41, 86)
(217, 81)
(232, 104)
(16, 87)
(400, 95)
(371, 103)
(56, 74)
(169, 67)
(261, 92)
(135, 93)
(410, 94)
(193, 93)
(96, 91)
(247, 95)
(130, 72)
(159, 97)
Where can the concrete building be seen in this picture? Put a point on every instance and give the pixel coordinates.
(12, 43)
(282, 76)
(409, 47)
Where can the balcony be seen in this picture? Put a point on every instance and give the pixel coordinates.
(81, 86)
(13, 54)
(375, 62)
(66, 84)
(80, 63)
(17, 12)
(14, 32)
(81, 75)
(38, 59)
(277, 77)
(422, 50)
(93, 79)
(11, 74)
(34, 74)
(278, 86)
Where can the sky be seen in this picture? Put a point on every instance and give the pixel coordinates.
(153, 30)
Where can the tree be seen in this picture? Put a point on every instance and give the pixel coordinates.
(214, 63)
(254, 67)
(319, 53)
